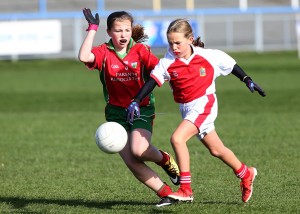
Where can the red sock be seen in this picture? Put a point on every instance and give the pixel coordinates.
(164, 159)
(243, 172)
(164, 191)
(185, 180)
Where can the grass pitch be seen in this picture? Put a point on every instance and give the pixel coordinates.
(49, 162)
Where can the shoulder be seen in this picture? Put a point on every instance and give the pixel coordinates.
(212, 54)
(167, 60)
(208, 51)
(144, 52)
(142, 47)
(169, 56)
(101, 48)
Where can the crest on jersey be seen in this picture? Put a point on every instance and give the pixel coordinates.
(134, 64)
(174, 74)
(202, 72)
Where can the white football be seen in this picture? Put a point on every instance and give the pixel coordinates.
(111, 137)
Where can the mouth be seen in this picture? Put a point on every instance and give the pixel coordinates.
(176, 53)
(123, 41)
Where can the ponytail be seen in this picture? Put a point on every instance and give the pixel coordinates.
(138, 34)
(198, 42)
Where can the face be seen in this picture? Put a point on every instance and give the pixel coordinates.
(120, 34)
(180, 45)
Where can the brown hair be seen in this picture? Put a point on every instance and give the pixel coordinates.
(183, 26)
(138, 33)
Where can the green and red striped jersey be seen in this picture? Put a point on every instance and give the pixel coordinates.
(122, 78)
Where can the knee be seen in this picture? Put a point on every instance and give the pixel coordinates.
(176, 141)
(218, 152)
(215, 152)
(142, 151)
(137, 153)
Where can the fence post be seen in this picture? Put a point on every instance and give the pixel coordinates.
(100, 5)
(43, 6)
(243, 5)
(190, 4)
(78, 38)
(156, 5)
(259, 33)
(295, 4)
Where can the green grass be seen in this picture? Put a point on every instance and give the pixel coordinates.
(49, 162)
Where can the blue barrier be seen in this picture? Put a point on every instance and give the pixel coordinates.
(44, 14)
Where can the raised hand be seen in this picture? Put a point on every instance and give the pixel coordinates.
(93, 21)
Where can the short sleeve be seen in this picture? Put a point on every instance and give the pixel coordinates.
(160, 73)
(224, 62)
(99, 53)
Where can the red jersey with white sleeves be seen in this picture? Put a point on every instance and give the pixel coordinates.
(123, 78)
(194, 77)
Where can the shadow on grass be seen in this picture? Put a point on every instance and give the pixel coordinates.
(19, 203)
(221, 202)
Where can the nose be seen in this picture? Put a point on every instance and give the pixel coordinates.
(173, 47)
(123, 33)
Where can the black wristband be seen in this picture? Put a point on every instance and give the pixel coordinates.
(246, 79)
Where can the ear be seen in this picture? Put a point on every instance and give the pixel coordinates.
(108, 32)
(190, 40)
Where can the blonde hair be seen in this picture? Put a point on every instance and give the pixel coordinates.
(183, 26)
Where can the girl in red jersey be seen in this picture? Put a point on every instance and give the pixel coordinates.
(124, 64)
(191, 71)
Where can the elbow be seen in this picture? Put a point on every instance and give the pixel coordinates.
(86, 57)
(81, 58)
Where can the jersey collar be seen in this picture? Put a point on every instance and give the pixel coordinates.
(111, 46)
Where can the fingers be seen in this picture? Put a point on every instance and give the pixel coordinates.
(262, 93)
(130, 117)
(254, 87)
(131, 111)
(89, 16)
(97, 16)
(87, 12)
(259, 90)
(251, 86)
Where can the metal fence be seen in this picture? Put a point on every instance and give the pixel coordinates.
(230, 29)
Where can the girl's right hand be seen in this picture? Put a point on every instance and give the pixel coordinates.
(90, 18)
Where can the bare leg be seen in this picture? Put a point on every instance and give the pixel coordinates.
(135, 161)
(216, 148)
(182, 134)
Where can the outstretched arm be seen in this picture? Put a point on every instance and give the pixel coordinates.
(145, 90)
(239, 73)
(85, 54)
(134, 107)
